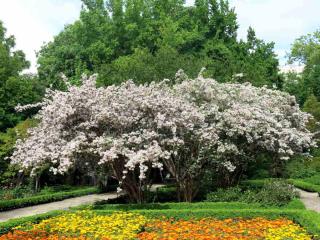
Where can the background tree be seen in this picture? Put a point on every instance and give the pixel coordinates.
(14, 87)
(149, 40)
(306, 50)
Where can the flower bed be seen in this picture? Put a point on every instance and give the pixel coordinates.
(129, 225)
(208, 228)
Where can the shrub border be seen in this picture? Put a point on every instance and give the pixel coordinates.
(299, 183)
(309, 187)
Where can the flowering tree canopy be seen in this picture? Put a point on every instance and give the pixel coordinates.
(186, 128)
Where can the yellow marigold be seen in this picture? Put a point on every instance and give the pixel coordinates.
(289, 232)
(117, 226)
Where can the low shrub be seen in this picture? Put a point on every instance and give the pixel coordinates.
(17, 192)
(272, 192)
(162, 194)
(309, 187)
(23, 202)
(294, 204)
(302, 167)
(225, 195)
(253, 184)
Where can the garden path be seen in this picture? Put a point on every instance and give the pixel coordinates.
(60, 205)
(310, 199)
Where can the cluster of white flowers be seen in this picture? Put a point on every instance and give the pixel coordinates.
(156, 125)
(250, 120)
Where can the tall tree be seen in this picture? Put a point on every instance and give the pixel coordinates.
(306, 50)
(14, 87)
(121, 39)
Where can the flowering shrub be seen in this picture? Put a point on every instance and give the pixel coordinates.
(188, 127)
(258, 228)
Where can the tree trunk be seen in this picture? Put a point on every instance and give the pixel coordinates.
(130, 184)
(188, 189)
(37, 184)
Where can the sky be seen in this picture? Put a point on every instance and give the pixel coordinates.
(35, 22)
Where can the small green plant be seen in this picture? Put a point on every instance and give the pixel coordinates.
(225, 195)
(273, 193)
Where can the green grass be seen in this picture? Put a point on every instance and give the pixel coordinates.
(44, 198)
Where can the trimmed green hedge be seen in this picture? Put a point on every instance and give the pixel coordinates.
(299, 183)
(294, 204)
(30, 201)
(305, 185)
(254, 183)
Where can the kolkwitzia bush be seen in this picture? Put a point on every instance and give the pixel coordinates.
(188, 127)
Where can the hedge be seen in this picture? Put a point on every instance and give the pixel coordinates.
(254, 183)
(30, 201)
(294, 204)
(309, 187)
(258, 183)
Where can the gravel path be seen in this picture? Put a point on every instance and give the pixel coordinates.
(310, 200)
(60, 205)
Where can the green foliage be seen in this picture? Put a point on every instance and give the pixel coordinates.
(312, 105)
(7, 141)
(295, 204)
(44, 198)
(305, 185)
(14, 87)
(225, 195)
(270, 192)
(163, 194)
(303, 167)
(17, 192)
(306, 50)
(26, 191)
(150, 40)
(274, 192)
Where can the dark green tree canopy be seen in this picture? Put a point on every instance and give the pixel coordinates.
(147, 40)
(14, 87)
(306, 50)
